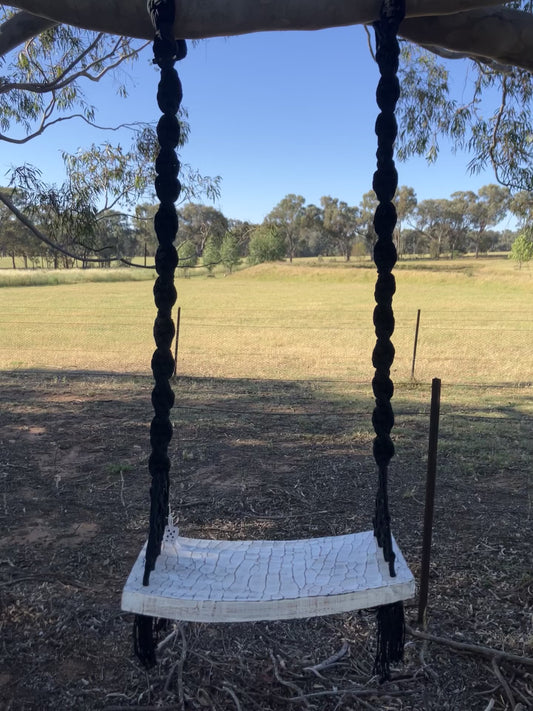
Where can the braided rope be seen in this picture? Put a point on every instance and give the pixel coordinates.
(385, 183)
(169, 94)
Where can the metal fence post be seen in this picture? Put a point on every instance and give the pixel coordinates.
(416, 342)
(430, 500)
(176, 342)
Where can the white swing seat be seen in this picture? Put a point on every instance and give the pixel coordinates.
(241, 581)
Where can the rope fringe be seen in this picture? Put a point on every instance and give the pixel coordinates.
(145, 638)
(390, 638)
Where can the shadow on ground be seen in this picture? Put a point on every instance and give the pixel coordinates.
(254, 459)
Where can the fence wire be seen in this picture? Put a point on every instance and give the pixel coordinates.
(493, 346)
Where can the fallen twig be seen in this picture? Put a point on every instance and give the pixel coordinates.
(366, 704)
(142, 706)
(289, 684)
(227, 688)
(488, 652)
(47, 577)
(179, 666)
(168, 639)
(507, 689)
(352, 691)
(425, 666)
(330, 661)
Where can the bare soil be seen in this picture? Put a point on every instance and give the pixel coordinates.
(254, 459)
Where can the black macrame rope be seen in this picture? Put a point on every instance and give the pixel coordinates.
(166, 52)
(390, 618)
(169, 94)
(385, 183)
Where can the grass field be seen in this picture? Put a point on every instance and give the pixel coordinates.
(273, 439)
(302, 321)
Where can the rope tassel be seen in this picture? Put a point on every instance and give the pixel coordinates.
(145, 638)
(390, 638)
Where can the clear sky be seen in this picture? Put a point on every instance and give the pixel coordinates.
(272, 114)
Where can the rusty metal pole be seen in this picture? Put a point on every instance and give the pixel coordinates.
(416, 343)
(176, 342)
(430, 500)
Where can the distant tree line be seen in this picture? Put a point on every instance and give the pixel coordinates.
(91, 220)
(465, 222)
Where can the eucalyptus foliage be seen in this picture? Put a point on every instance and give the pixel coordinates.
(488, 112)
(43, 82)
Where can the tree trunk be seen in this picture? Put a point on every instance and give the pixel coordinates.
(478, 242)
(470, 27)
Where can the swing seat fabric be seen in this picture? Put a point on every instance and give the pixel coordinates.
(240, 581)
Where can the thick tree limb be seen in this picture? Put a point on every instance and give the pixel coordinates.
(196, 19)
(20, 28)
(473, 27)
(500, 34)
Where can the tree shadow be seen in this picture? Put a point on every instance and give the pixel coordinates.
(250, 459)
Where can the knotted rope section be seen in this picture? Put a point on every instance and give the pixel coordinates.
(169, 94)
(390, 617)
(385, 183)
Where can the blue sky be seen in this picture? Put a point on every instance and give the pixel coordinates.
(272, 114)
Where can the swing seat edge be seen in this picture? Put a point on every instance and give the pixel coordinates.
(202, 580)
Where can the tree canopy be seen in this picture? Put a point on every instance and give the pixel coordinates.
(61, 43)
(41, 85)
(522, 248)
(441, 227)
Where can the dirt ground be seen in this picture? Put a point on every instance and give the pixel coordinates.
(253, 460)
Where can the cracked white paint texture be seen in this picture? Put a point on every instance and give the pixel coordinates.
(230, 581)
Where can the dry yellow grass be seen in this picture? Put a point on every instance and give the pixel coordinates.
(301, 321)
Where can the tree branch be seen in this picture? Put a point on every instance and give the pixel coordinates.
(64, 79)
(44, 125)
(450, 54)
(494, 141)
(44, 86)
(56, 247)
